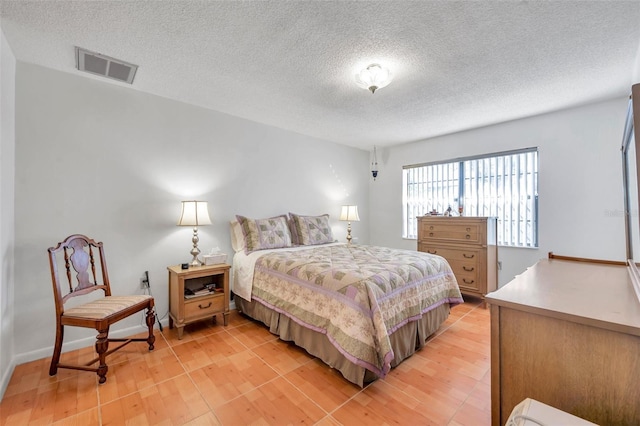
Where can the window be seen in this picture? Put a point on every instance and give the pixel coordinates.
(503, 185)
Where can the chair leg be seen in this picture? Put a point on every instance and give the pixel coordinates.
(102, 345)
(151, 320)
(57, 348)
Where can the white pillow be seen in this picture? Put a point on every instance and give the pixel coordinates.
(237, 237)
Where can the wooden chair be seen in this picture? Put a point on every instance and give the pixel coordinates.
(78, 253)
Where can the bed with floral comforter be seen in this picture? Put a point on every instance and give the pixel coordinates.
(361, 309)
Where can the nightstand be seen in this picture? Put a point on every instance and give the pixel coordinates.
(189, 303)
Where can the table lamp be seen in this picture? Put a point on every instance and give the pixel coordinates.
(350, 214)
(194, 213)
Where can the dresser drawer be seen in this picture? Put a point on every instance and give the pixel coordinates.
(463, 255)
(453, 231)
(203, 306)
(468, 280)
(466, 262)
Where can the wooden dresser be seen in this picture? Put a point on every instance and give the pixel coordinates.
(567, 333)
(468, 244)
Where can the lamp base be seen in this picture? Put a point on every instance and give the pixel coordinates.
(195, 251)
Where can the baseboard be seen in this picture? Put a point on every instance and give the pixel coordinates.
(4, 382)
(66, 347)
(80, 343)
(71, 346)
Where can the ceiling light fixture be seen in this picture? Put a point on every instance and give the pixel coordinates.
(373, 77)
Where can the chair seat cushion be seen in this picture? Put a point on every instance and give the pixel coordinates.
(102, 308)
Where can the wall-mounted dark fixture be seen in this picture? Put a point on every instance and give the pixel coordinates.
(374, 164)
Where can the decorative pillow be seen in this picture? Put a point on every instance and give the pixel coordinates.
(294, 234)
(237, 237)
(260, 234)
(312, 230)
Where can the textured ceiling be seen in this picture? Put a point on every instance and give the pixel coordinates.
(456, 65)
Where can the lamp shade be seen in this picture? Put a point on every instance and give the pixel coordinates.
(349, 213)
(194, 213)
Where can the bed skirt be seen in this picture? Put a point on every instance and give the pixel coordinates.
(404, 341)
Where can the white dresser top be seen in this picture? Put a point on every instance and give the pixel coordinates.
(594, 294)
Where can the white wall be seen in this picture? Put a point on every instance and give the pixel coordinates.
(7, 155)
(580, 181)
(114, 163)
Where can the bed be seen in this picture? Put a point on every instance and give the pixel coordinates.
(361, 309)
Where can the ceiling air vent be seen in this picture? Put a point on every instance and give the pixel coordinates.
(105, 66)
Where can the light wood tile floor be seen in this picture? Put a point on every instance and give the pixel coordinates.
(243, 375)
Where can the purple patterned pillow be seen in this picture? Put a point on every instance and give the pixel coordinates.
(312, 230)
(260, 234)
(294, 233)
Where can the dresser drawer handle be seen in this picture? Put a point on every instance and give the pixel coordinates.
(468, 282)
(432, 252)
(431, 234)
(468, 256)
(468, 229)
(467, 236)
(431, 227)
(205, 307)
(468, 269)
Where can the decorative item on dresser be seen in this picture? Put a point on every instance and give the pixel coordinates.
(197, 293)
(468, 244)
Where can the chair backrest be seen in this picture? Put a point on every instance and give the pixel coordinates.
(77, 253)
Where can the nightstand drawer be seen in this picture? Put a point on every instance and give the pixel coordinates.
(203, 306)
